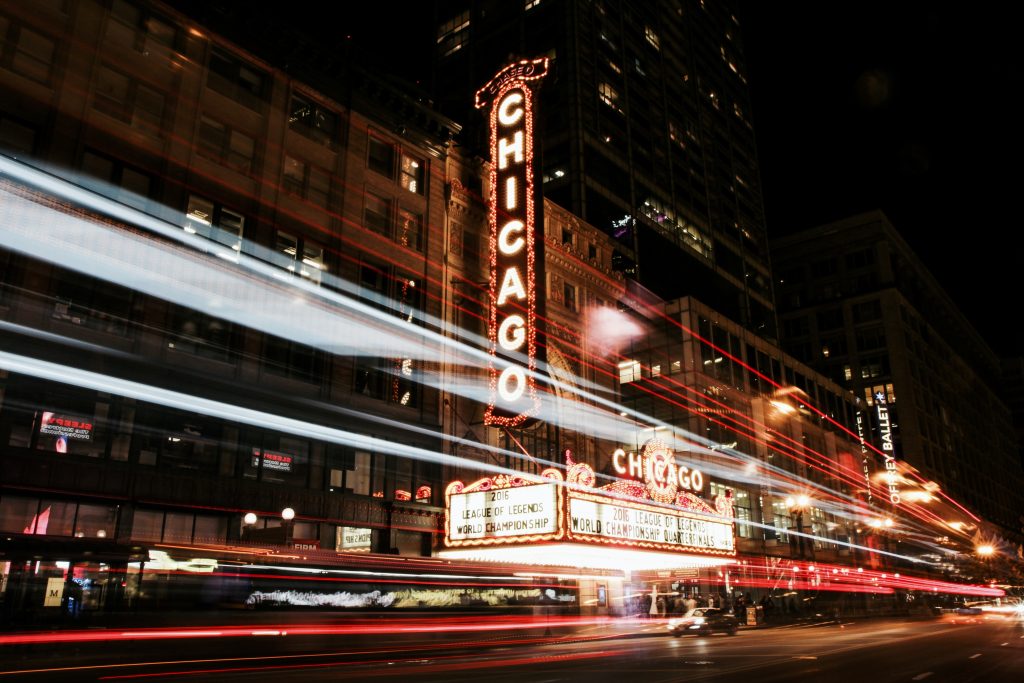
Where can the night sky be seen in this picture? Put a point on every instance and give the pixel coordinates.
(907, 107)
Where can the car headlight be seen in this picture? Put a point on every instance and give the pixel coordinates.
(698, 620)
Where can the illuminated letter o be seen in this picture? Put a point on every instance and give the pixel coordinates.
(697, 480)
(515, 325)
(516, 372)
(506, 117)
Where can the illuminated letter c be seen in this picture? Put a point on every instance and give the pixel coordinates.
(510, 248)
(506, 117)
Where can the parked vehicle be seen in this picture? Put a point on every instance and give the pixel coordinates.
(704, 621)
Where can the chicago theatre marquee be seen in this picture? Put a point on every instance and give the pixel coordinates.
(651, 519)
(632, 532)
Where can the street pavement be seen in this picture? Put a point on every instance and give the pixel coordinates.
(962, 649)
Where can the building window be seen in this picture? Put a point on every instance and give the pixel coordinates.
(381, 157)
(313, 120)
(530, 4)
(291, 359)
(412, 174)
(867, 311)
(569, 296)
(230, 147)
(56, 518)
(215, 222)
(652, 37)
(202, 335)
(300, 255)
(875, 366)
(830, 319)
(236, 80)
(885, 389)
(609, 95)
(139, 29)
(26, 52)
(629, 371)
(453, 35)
(129, 101)
(113, 179)
(392, 379)
(377, 214)
(306, 181)
(94, 304)
(740, 506)
(870, 339)
(860, 259)
(16, 137)
(410, 229)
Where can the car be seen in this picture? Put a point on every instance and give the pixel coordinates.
(704, 621)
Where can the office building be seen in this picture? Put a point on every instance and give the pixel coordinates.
(858, 305)
(646, 131)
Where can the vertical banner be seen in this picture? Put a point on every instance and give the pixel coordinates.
(865, 465)
(516, 249)
(885, 434)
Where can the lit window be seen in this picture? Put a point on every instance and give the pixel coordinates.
(453, 35)
(530, 4)
(412, 174)
(216, 223)
(300, 256)
(652, 37)
(656, 370)
(608, 95)
(629, 371)
(410, 229)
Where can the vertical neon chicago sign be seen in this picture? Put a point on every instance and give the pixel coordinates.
(515, 251)
(888, 448)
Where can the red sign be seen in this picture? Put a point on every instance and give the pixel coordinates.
(278, 462)
(65, 426)
(515, 257)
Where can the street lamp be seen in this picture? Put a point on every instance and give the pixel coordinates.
(249, 519)
(796, 506)
(985, 550)
(287, 515)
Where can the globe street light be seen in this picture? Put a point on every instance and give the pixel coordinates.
(796, 506)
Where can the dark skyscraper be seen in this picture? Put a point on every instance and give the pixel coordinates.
(646, 133)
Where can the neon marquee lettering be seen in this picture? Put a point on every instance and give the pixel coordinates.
(515, 257)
